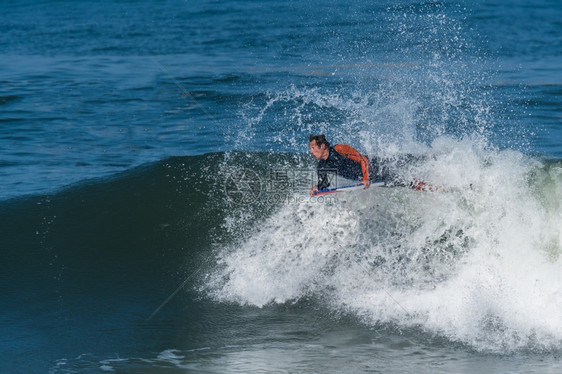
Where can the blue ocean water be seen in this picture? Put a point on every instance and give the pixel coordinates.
(99, 88)
(123, 251)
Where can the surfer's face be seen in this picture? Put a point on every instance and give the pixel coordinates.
(318, 152)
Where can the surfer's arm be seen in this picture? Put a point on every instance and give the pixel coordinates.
(351, 153)
(323, 180)
(313, 190)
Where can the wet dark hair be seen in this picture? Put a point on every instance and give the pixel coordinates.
(319, 139)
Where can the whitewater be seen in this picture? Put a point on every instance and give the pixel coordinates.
(478, 263)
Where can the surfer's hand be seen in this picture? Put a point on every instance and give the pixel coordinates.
(313, 190)
(366, 183)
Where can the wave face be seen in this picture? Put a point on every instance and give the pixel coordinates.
(477, 264)
(84, 268)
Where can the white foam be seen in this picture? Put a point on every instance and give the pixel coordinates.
(478, 264)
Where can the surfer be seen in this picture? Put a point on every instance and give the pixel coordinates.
(345, 161)
(341, 159)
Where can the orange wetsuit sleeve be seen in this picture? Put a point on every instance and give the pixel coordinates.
(351, 153)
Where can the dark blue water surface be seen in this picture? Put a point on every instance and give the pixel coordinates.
(116, 118)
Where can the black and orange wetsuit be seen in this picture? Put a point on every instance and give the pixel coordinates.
(343, 161)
